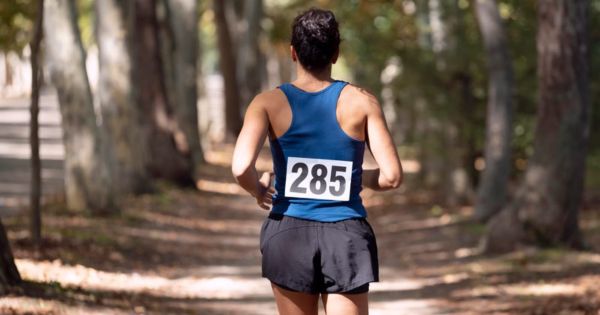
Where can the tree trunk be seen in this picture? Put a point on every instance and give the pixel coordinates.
(9, 274)
(35, 218)
(87, 173)
(183, 20)
(458, 188)
(427, 125)
(120, 116)
(227, 62)
(546, 208)
(491, 194)
(249, 54)
(445, 21)
(160, 128)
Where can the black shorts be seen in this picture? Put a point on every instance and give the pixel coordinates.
(319, 257)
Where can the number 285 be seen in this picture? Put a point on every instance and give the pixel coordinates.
(319, 180)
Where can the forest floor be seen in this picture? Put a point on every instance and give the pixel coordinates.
(195, 251)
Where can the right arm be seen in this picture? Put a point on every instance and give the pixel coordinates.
(389, 174)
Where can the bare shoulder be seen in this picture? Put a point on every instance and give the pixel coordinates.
(269, 99)
(359, 100)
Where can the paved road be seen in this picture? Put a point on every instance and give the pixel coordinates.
(15, 151)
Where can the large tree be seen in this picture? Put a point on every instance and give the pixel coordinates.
(9, 274)
(161, 130)
(546, 207)
(120, 115)
(87, 171)
(183, 23)
(227, 62)
(250, 59)
(492, 190)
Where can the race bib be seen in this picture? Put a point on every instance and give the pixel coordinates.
(318, 179)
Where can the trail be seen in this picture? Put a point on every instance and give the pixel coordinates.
(178, 252)
(196, 251)
(199, 255)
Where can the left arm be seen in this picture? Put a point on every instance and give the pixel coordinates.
(247, 147)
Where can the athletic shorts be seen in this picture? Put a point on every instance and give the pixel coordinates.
(319, 257)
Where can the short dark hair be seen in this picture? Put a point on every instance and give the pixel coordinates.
(316, 38)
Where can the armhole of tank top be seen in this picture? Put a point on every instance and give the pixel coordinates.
(337, 122)
(289, 104)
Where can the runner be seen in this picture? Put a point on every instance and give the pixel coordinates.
(316, 240)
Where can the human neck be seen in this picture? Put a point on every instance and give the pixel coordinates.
(312, 81)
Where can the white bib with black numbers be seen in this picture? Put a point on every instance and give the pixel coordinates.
(318, 179)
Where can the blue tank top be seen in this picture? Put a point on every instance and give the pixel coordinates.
(318, 167)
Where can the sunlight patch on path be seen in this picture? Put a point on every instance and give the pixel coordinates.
(220, 287)
(26, 305)
(220, 187)
(421, 307)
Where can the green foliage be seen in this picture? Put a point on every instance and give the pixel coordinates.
(452, 83)
(85, 21)
(17, 19)
(16, 24)
(208, 39)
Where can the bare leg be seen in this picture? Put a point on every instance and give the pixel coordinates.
(295, 303)
(346, 304)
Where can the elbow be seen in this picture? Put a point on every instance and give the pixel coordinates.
(238, 170)
(393, 180)
(396, 182)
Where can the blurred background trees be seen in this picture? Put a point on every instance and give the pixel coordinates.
(486, 114)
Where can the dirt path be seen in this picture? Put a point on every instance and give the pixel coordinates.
(196, 252)
(178, 252)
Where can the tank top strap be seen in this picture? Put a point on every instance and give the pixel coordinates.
(291, 93)
(295, 94)
(313, 110)
(330, 102)
(334, 94)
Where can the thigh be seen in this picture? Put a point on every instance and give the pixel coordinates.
(346, 304)
(295, 303)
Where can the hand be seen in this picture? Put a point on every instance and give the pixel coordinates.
(264, 197)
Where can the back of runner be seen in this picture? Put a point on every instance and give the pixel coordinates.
(316, 240)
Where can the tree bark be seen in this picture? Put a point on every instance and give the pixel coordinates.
(249, 56)
(120, 116)
(546, 208)
(492, 190)
(447, 135)
(183, 20)
(35, 218)
(87, 174)
(427, 125)
(9, 274)
(227, 62)
(160, 127)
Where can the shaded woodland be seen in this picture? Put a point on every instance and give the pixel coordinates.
(490, 103)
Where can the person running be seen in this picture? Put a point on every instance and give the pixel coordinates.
(316, 240)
